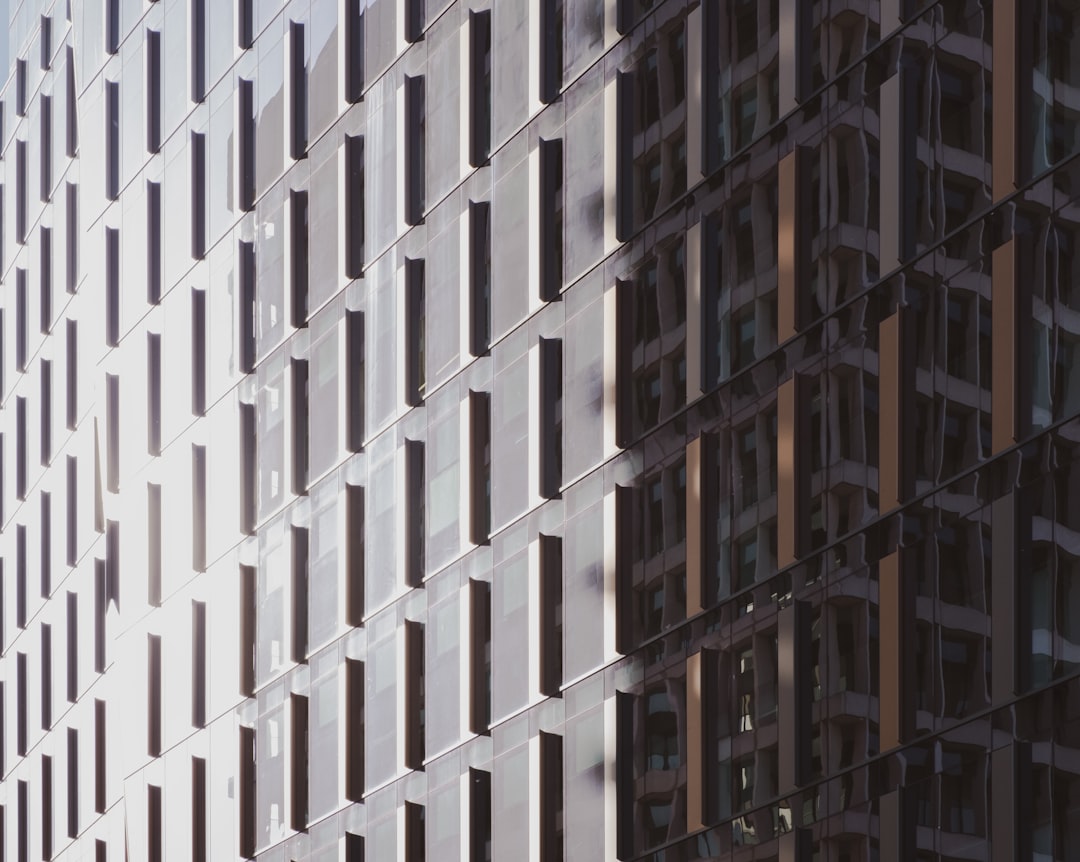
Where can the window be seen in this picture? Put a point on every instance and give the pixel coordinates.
(415, 149)
(153, 393)
(112, 433)
(112, 140)
(416, 321)
(354, 206)
(153, 91)
(354, 50)
(72, 510)
(45, 528)
(72, 375)
(480, 87)
(46, 413)
(20, 191)
(46, 676)
(198, 508)
(298, 91)
(198, 195)
(153, 242)
(45, 278)
(153, 544)
(479, 277)
(112, 287)
(72, 661)
(46, 144)
(153, 693)
(22, 314)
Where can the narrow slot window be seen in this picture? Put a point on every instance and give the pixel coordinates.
(21, 463)
(354, 371)
(46, 42)
(354, 554)
(414, 20)
(72, 510)
(354, 737)
(551, 49)
(198, 508)
(112, 287)
(72, 782)
(479, 277)
(298, 91)
(153, 242)
(245, 140)
(20, 192)
(414, 824)
(300, 594)
(153, 823)
(72, 647)
(248, 599)
(71, 100)
(198, 351)
(46, 412)
(415, 148)
(72, 375)
(45, 280)
(550, 417)
(354, 206)
(153, 544)
(354, 50)
(46, 145)
(153, 91)
(112, 433)
(22, 324)
(480, 464)
(551, 219)
(46, 676)
(247, 307)
(247, 468)
(300, 425)
(198, 664)
(414, 694)
(72, 236)
(23, 846)
(198, 195)
(153, 694)
(245, 24)
(198, 50)
(298, 209)
(480, 87)
(112, 140)
(20, 704)
(99, 757)
(480, 656)
(46, 545)
(416, 324)
(101, 600)
(46, 807)
(480, 815)
(20, 87)
(414, 505)
(247, 791)
(551, 615)
(198, 809)
(20, 576)
(112, 26)
(153, 393)
(298, 705)
(551, 797)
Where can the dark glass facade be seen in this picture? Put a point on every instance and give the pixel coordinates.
(549, 430)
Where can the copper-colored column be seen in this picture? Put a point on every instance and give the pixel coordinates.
(695, 809)
(894, 376)
(793, 696)
(895, 599)
(791, 482)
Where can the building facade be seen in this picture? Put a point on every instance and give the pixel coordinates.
(554, 430)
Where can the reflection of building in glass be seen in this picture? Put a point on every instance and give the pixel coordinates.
(564, 430)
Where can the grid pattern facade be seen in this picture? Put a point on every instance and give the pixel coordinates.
(540, 430)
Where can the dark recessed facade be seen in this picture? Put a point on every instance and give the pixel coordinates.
(547, 430)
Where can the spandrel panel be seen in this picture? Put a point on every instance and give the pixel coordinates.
(323, 596)
(443, 83)
(270, 109)
(510, 637)
(510, 68)
(221, 40)
(380, 569)
(381, 175)
(584, 207)
(583, 385)
(270, 743)
(270, 271)
(510, 233)
(175, 99)
(510, 805)
(586, 786)
(274, 567)
(380, 728)
(443, 689)
(323, 77)
(323, 754)
(132, 120)
(381, 40)
(323, 221)
(221, 163)
(509, 441)
(270, 407)
(584, 603)
(443, 484)
(442, 300)
(380, 323)
(323, 388)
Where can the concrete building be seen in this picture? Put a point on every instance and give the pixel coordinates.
(549, 430)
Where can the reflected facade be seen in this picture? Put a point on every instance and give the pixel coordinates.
(568, 430)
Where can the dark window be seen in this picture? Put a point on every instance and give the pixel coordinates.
(153, 91)
(198, 195)
(153, 242)
(112, 287)
(480, 87)
(72, 647)
(198, 664)
(153, 393)
(112, 140)
(153, 693)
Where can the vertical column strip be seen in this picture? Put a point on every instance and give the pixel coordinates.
(1004, 172)
(791, 253)
(793, 701)
(895, 392)
(895, 615)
